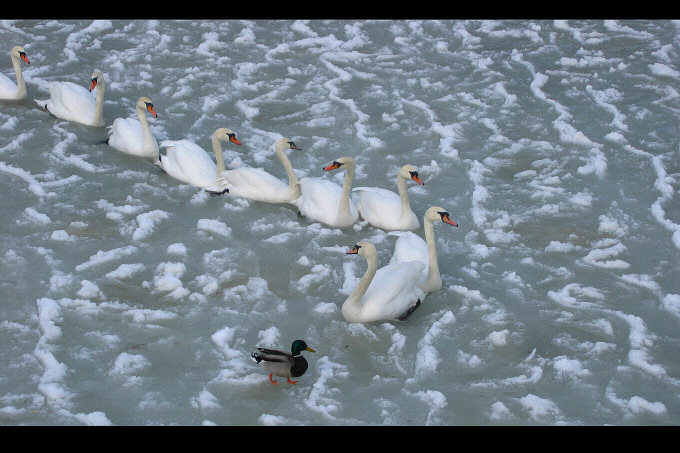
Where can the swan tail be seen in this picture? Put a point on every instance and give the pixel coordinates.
(408, 312)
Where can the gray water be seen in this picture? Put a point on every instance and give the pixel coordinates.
(131, 298)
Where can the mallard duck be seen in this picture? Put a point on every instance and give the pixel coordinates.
(282, 363)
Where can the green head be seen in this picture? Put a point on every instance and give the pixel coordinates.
(299, 346)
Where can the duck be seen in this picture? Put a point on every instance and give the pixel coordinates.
(8, 89)
(133, 136)
(385, 209)
(409, 247)
(282, 363)
(325, 201)
(72, 102)
(384, 294)
(257, 184)
(186, 161)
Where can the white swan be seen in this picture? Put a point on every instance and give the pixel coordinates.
(411, 247)
(385, 209)
(188, 162)
(257, 184)
(72, 102)
(8, 89)
(133, 136)
(325, 201)
(390, 292)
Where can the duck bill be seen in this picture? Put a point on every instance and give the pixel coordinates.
(310, 349)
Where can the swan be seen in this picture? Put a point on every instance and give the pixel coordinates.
(325, 201)
(72, 102)
(257, 184)
(411, 247)
(385, 209)
(390, 292)
(133, 136)
(8, 89)
(188, 162)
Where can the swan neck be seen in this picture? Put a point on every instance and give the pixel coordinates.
(217, 149)
(146, 130)
(292, 179)
(433, 266)
(351, 309)
(21, 85)
(98, 119)
(403, 194)
(344, 209)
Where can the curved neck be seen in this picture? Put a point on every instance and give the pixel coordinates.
(146, 130)
(292, 179)
(351, 308)
(217, 149)
(98, 119)
(343, 209)
(433, 275)
(405, 205)
(21, 85)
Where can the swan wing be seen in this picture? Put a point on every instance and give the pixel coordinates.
(410, 247)
(380, 207)
(8, 89)
(256, 184)
(320, 199)
(393, 290)
(126, 135)
(188, 162)
(70, 101)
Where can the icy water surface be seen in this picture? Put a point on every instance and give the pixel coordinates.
(130, 298)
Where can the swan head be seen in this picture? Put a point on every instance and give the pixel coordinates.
(410, 172)
(436, 213)
(285, 143)
(145, 103)
(347, 161)
(97, 79)
(20, 53)
(362, 248)
(226, 135)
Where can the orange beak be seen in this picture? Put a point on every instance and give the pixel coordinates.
(233, 140)
(417, 179)
(24, 57)
(333, 166)
(353, 251)
(449, 221)
(93, 84)
(151, 110)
